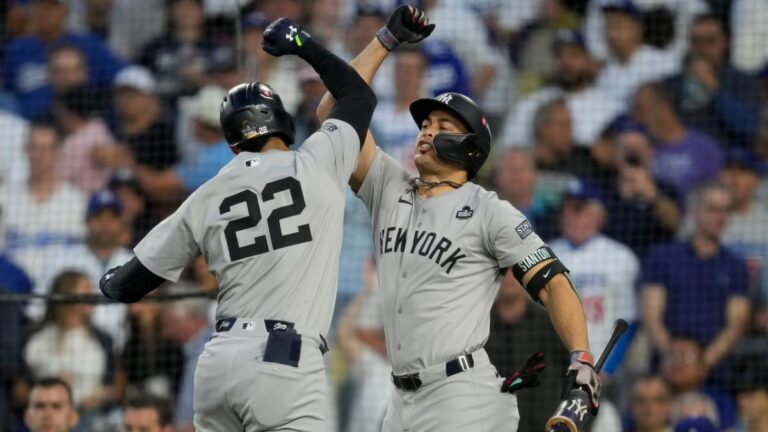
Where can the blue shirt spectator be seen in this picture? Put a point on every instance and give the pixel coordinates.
(697, 288)
(24, 69)
(710, 94)
(209, 161)
(445, 72)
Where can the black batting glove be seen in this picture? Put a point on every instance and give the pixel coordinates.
(283, 36)
(582, 374)
(526, 376)
(406, 24)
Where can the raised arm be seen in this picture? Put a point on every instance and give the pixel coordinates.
(355, 99)
(406, 24)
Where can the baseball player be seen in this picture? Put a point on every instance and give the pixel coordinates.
(269, 225)
(442, 245)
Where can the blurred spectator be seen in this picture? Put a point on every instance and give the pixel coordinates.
(68, 346)
(12, 321)
(748, 18)
(51, 407)
(392, 124)
(67, 70)
(14, 168)
(445, 71)
(24, 68)
(223, 68)
(312, 91)
(326, 23)
(607, 292)
(628, 65)
(124, 14)
(745, 234)
(100, 252)
(45, 214)
(520, 327)
(642, 211)
(591, 108)
(173, 182)
(367, 21)
(80, 161)
(516, 180)
(683, 158)
(151, 362)
(145, 413)
(683, 13)
(554, 150)
(278, 72)
(684, 369)
(179, 58)
(651, 405)
(186, 322)
(128, 191)
(538, 37)
(361, 338)
(710, 94)
(142, 124)
(697, 288)
(291, 9)
(752, 393)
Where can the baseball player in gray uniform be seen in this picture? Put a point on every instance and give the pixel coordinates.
(442, 246)
(269, 224)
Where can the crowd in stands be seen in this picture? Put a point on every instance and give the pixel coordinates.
(632, 134)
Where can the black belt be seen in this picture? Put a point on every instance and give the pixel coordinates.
(225, 324)
(412, 382)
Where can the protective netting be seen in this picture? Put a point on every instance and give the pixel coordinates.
(632, 135)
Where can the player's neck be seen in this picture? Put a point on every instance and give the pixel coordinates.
(432, 185)
(274, 143)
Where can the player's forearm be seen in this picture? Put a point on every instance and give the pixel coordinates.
(366, 64)
(130, 282)
(355, 101)
(566, 313)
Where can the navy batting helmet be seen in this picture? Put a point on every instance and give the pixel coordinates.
(469, 150)
(252, 111)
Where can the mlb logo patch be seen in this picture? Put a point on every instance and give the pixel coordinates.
(465, 213)
(252, 162)
(330, 127)
(524, 229)
(249, 326)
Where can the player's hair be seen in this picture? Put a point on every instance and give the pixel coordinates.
(161, 406)
(51, 382)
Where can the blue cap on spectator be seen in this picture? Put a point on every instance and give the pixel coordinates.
(569, 37)
(103, 200)
(696, 424)
(584, 190)
(627, 125)
(625, 6)
(255, 20)
(742, 158)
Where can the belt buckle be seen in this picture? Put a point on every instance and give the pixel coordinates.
(463, 362)
(409, 382)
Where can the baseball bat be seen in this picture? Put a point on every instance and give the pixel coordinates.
(572, 412)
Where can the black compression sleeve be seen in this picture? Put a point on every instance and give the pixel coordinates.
(355, 101)
(129, 283)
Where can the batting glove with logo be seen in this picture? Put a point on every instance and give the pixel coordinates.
(582, 374)
(406, 24)
(526, 376)
(283, 36)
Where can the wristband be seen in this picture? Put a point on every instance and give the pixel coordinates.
(583, 357)
(387, 39)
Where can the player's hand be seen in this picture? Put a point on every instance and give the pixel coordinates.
(406, 24)
(526, 376)
(282, 37)
(582, 374)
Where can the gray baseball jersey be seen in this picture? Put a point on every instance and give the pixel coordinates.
(439, 263)
(269, 225)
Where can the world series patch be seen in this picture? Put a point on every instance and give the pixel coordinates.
(524, 229)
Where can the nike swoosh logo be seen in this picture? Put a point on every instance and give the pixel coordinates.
(404, 201)
(546, 275)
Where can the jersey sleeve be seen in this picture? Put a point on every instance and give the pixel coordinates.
(384, 177)
(170, 246)
(336, 148)
(510, 235)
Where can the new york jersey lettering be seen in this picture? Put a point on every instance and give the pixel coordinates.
(424, 243)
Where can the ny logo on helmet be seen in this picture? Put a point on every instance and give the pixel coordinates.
(445, 98)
